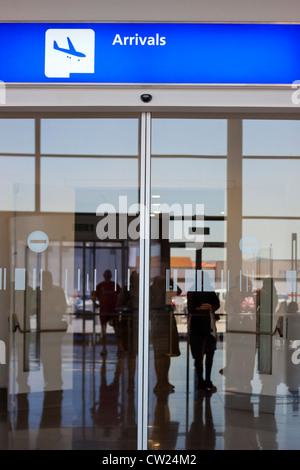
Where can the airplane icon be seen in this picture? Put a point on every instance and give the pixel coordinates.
(70, 51)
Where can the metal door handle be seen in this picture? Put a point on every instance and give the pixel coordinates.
(16, 326)
(278, 328)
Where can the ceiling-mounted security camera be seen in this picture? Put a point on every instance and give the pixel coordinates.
(146, 98)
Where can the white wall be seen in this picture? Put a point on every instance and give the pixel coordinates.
(150, 10)
(172, 98)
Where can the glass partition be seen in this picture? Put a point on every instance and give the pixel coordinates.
(69, 276)
(17, 136)
(77, 136)
(17, 181)
(271, 137)
(188, 257)
(223, 284)
(217, 364)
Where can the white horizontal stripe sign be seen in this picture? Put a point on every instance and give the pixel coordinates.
(20, 277)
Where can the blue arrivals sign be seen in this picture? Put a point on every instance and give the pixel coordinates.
(150, 53)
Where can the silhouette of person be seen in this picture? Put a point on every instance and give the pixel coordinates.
(129, 303)
(202, 330)
(164, 432)
(52, 410)
(164, 333)
(114, 412)
(107, 411)
(52, 308)
(106, 294)
(267, 300)
(202, 433)
(30, 310)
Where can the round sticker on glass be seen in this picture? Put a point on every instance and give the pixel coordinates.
(38, 241)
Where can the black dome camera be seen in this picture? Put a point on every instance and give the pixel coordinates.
(146, 98)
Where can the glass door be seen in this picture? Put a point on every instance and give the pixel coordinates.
(70, 191)
(149, 273)
(223, 295)
(188, 258)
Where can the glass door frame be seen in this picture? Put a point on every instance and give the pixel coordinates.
(144, 276)
(234, 158)
(234, 143)
(143, 145)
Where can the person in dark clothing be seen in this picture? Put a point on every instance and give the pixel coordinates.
(202, 333)
(128, 304)
(164, 332)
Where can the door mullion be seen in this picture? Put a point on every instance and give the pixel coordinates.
(143, 348)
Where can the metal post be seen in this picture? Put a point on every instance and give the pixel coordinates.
(144, 277)
(294, 263)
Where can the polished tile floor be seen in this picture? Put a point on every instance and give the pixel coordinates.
(100, 413)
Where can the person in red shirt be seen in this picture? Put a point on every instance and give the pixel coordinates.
(106, 294)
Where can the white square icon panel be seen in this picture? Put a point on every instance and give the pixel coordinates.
(69, 51)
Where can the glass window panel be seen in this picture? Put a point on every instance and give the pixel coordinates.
(271, 138)
(190, 181)
(70, 313)
(273, 259)
(17, 136)
(82, 184)
(277, 194)
(17, 183)
(89, 136)
(217, 255)
(217, 231)
(179, 184)
(274, 238)
(189, 137)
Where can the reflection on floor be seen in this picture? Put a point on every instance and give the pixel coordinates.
(100, 412)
